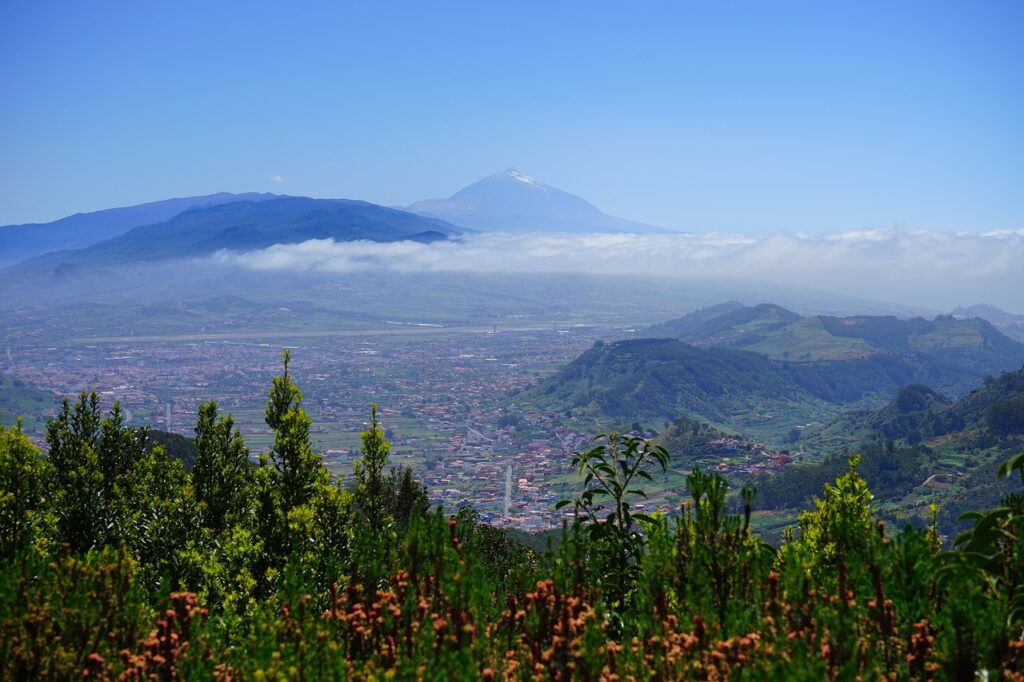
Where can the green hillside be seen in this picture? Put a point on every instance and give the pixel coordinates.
(1008, 323)
(689, 439)
(949, 354)
(654, 381)
(693, 323)
(808, 340)
(911, 417)
(919, 414)
(728, 324)
(20, 399)
(920, 449)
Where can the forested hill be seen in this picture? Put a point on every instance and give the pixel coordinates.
(920, 449)
(728, 324)
(654, 381)
(690, 439)
(176, 446)
(657, 380)
(919, 414)
(949, 354)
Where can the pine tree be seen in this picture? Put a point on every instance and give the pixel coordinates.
(298, 467)
(371, 491)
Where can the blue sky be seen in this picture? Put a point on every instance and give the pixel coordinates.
(746, 117)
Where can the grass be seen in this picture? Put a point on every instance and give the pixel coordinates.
(955, 333)
(808, 341)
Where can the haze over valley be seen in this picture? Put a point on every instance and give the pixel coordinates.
(497, 328)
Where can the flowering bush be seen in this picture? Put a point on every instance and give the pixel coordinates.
(274, 571)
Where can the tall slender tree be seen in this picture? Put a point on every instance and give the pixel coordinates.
(297, 466)
(371, 491)
(222, 473)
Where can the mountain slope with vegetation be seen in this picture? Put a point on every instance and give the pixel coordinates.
(20, 399)
(1010, 324)
(919, 450)
(248, 225)
(19, 242)
(919, 413)
(729, 325)
(948, 354)
(689, 439)
(654, 381)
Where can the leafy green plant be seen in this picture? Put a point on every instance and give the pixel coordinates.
(610, 471)
(222, 473)
(719, 563)
(24, 474)
(995, 544)
(842, 521)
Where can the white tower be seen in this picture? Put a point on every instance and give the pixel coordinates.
(508, 491)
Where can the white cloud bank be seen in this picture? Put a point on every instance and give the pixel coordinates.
(921, 267)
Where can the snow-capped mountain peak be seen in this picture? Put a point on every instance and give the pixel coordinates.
(512, 201)
(523, 178)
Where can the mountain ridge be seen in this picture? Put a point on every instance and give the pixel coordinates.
(81, 230)
(655, 381)
(921, 448)
(741, 387)
(248, 225)
(1010, 324)
(947, 353)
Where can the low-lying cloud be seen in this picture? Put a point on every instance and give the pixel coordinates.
(916, 267)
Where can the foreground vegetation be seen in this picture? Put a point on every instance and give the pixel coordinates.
(118, 563)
